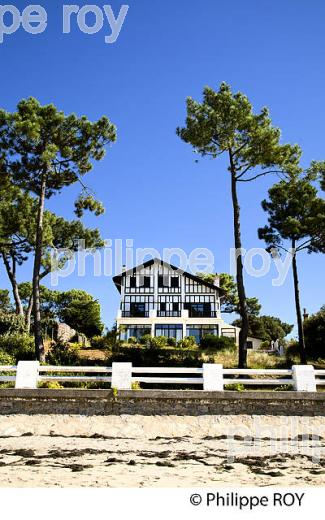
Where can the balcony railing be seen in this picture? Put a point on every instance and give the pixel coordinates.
(169, 314)
(135, 314)
(192, 313)
(202, 314)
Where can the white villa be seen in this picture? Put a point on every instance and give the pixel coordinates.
(162, 300)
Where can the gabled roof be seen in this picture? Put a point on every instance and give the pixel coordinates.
(117, 279)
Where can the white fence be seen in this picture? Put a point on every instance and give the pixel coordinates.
(213, 377)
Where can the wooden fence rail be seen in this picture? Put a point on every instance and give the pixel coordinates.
(213, 377)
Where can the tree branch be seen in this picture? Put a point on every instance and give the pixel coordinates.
(238, 178)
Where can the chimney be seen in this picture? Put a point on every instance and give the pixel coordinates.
(216, 281)
(123, 268)
(305, 315)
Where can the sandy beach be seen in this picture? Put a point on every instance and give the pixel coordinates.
(137, 451)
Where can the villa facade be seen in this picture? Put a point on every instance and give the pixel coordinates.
(160, 299)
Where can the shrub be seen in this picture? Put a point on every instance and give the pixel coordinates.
(99, 342)
(6, 359)
(237, 387)
(11, 324)
(171, 342)
(187, 343)
(292, 352)
(156, 357)
(19, 346)
(158, 342)
(314, 329)
(132, 340)
(209, 341)
(153, 342)
(53, 385)
(265, 345)
(146, 338)
(63, 354)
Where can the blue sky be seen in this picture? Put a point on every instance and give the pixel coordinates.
(153, 190)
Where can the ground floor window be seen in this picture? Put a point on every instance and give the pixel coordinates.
(170, 331)
(134, 331)
(198, 331)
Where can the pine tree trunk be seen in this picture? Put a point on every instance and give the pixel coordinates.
(11, 271)
(28, 316)
(39, 345)
(302, 347)
(242, 362)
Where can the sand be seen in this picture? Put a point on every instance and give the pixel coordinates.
(172, 451)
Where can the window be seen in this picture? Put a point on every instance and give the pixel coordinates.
(133, 282)
(162, 282)
(174, 282)
(198, 331)
(163, 306)
(175, 306)
(134, 331)
(170, 331)
(199, 309)
(146, 281)
(137, 309)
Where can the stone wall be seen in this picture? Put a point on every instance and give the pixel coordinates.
(158, 402)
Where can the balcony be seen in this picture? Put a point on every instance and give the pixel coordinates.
(202, 314)
(169, 314)
(135, 314)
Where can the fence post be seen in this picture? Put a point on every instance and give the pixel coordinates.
(304, 378)
(27, 374)
(122, 376)
(212, 377)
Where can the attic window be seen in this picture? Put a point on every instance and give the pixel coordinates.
(133, 282)
(174, 282)
(162, 281)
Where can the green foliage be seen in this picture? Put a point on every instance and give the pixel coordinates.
(52, 385)
(11, 324)
(296, 222)
(42, 151)
(40, 140)
(100, 342)
(112, 337)
(267, 328)
(314, 328)
(5, 305)
(236, 387)
(171, 342)
(225, 122)
(63, 354)
(76, 308)
(230, 300)
(132, 340)
(19, 346)
(17, 222)
(167, 357)
(88, 202)
(81, 311)
(6, 359)
(187, 343)
(212, 342)
(145, 339)
(295, 213)
(156, 342)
